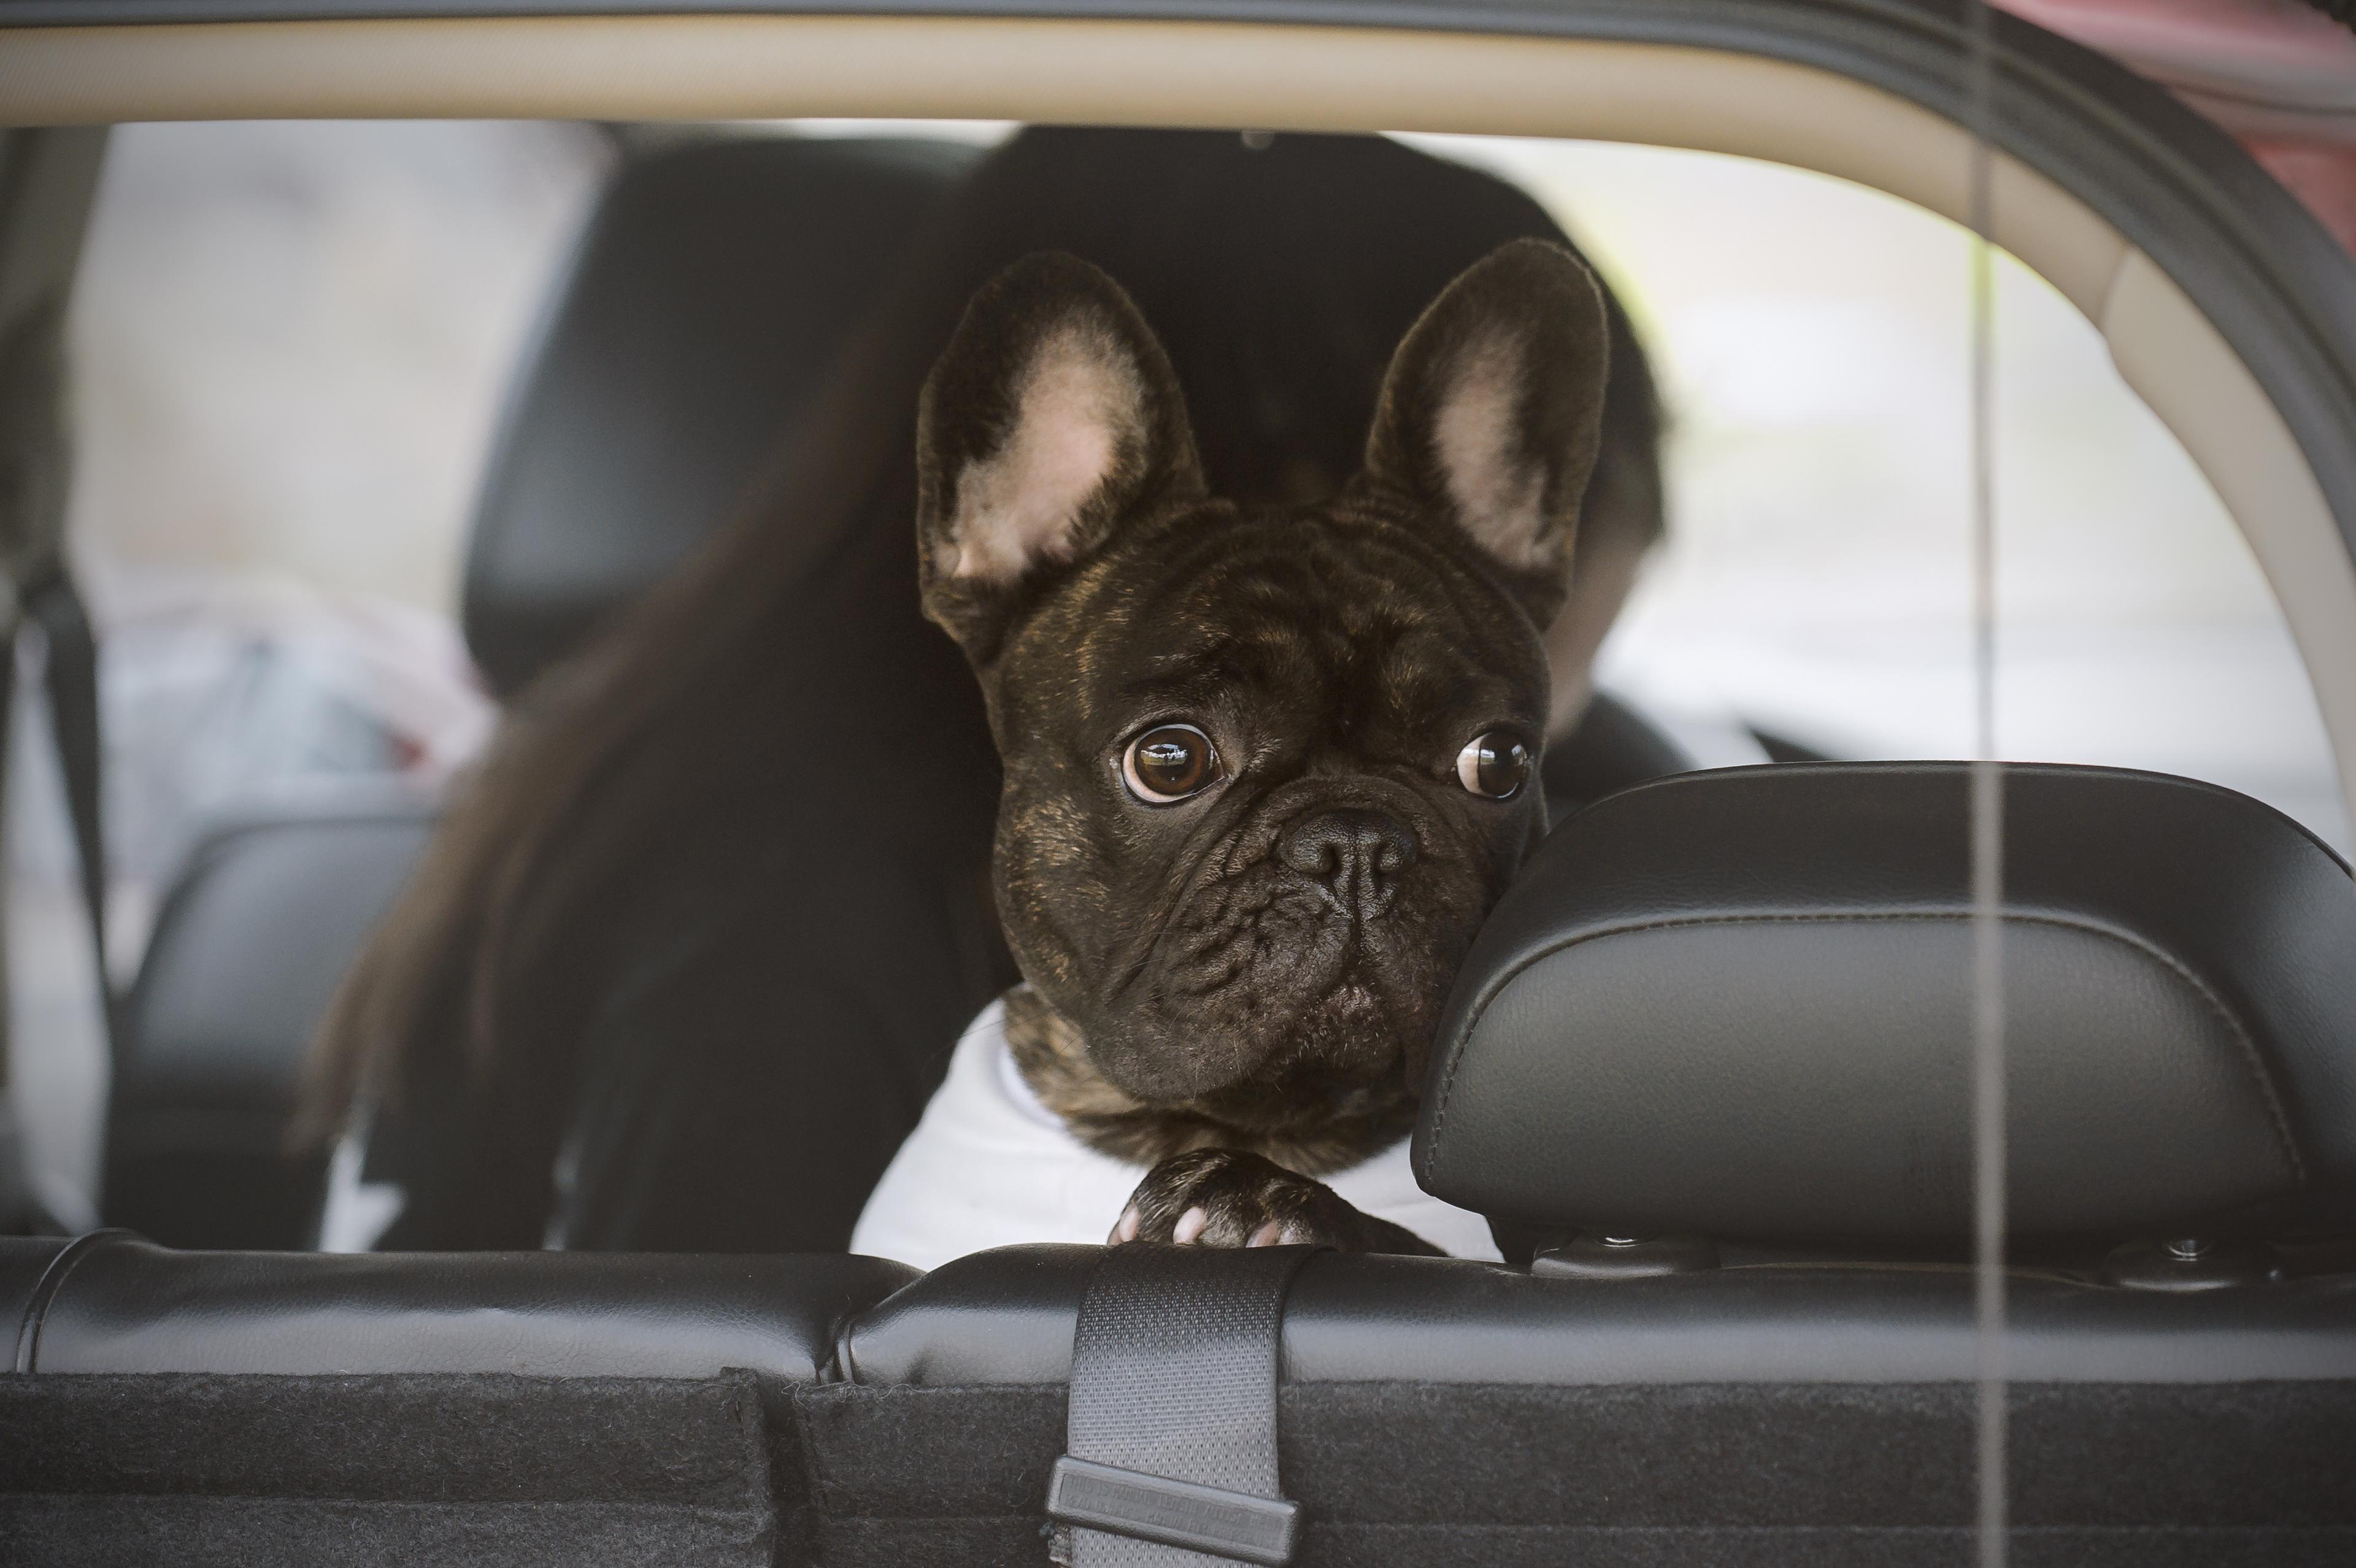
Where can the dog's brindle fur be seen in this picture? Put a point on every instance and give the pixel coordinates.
(1239, 990)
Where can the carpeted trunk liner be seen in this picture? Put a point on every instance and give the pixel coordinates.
(468, 1469)
(1749, 1474)
(271, 1471)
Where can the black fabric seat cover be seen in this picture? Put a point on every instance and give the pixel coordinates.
(1736, 1003)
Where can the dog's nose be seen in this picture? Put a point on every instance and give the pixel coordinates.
(1354, 854)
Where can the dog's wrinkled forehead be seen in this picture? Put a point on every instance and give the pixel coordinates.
(1367, 632)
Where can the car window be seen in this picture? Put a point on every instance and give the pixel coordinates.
(287, 348)
(289, 344)
(1811, 338)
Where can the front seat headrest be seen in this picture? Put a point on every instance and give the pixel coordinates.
(1738, 1004)
(701, 314)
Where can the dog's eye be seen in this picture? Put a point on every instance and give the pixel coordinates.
(1494, 765)
(1170, 763)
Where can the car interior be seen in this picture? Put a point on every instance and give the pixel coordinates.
(1708, 1071)
(672, 302)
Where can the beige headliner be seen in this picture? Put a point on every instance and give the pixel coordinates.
(1276, 78)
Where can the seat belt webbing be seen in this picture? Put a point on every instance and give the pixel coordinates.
(55, 605)
(1171, 1458)
(49, 180)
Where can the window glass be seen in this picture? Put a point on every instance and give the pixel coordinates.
(1811, 340)
(288, 343)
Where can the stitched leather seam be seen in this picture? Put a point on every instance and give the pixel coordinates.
(2276, 1114)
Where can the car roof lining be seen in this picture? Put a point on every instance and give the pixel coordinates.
(1281, 77)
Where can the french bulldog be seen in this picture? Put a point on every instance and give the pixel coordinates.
(1265, 769)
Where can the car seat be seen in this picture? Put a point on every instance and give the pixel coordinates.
(706, 300)
(1710, 1061)
(1709, 1065)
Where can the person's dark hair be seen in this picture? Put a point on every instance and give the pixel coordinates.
(644, 776)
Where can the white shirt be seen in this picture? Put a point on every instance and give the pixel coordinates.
(358, 1213)
(989, 1165)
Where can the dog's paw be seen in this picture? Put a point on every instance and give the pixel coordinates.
(1222, 1198)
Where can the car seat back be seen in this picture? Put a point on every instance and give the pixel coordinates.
(1767, 1387)
(285, 1408)
(244, 955)
(713, 290)
(1767, 1411)
(573, 1407)
(1709, 1061)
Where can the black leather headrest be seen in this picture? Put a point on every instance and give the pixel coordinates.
(702, 311)
(1738, 1004)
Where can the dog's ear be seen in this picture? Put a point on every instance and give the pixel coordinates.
(1493, 408)
(1052, 416)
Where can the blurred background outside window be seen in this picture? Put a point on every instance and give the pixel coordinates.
(288, 343)
(1811, 344)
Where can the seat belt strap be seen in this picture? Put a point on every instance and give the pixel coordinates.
(48, 179)
(55, 605)
(1171, 1455)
